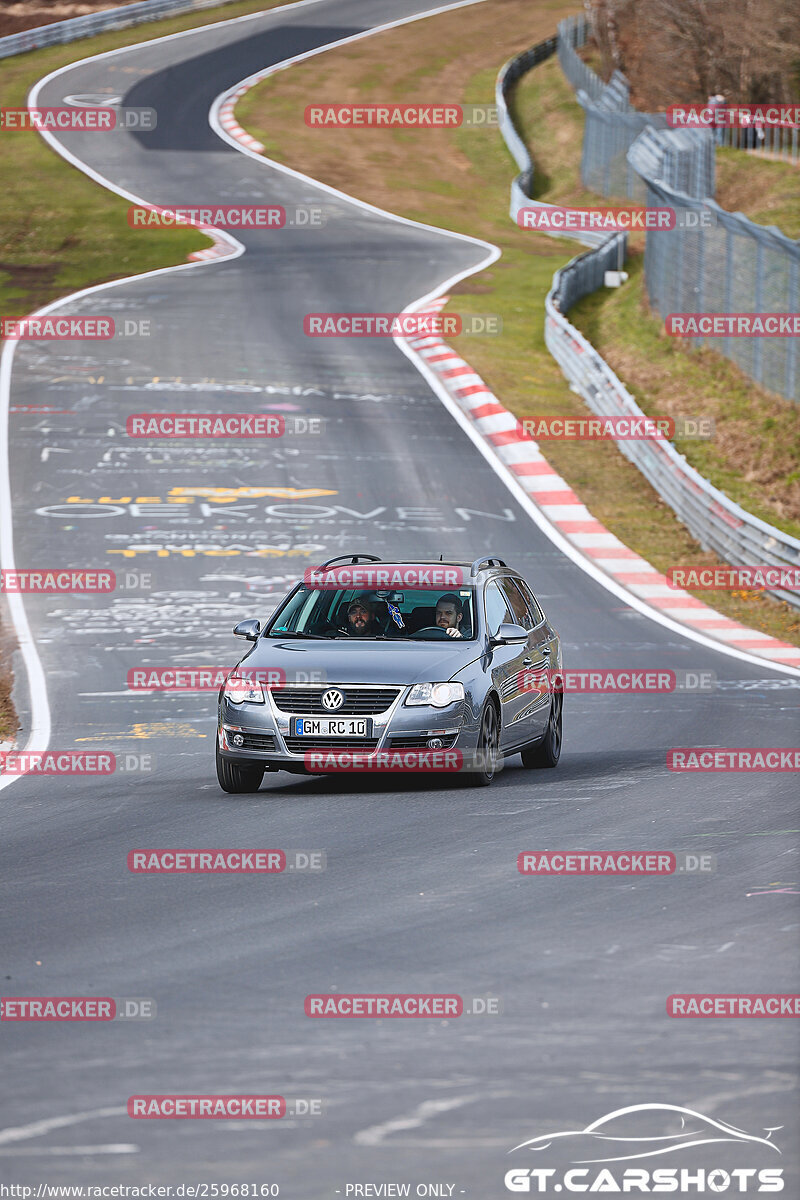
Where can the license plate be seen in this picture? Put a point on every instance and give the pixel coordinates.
(345, 727)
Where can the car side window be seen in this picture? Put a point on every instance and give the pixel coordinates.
(517, 603)
(497, 610)
(537, 616)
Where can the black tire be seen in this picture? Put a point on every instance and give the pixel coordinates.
(488, 748)
(547, 752)
(238, 777)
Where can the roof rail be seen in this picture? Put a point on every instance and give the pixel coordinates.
(479, 564)
(348, 558)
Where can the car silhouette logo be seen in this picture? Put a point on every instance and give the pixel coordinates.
(332, 699)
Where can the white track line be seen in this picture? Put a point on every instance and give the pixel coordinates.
(22, 1133)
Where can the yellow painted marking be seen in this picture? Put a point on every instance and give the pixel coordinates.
(253, 493)
(147, 730)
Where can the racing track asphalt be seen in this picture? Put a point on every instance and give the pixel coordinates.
(421, 891)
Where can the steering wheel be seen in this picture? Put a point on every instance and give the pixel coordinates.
(429, 629)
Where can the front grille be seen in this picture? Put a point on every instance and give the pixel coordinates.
(419, 741)
(302, 745)
(359, 702)
(252, 741)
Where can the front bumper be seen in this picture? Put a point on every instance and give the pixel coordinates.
(262, 732)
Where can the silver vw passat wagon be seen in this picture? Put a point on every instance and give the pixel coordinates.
(373, 665)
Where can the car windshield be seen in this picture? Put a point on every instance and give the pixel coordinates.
(347, 613)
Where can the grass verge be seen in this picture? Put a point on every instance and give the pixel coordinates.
(59, 231)
(460, 180)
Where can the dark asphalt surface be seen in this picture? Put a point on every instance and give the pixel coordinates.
(421, 891)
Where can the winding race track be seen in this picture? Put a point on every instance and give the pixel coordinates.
(421, 891)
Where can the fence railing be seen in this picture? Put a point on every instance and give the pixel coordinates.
(732, 266)
(60, 32)
(717, 522)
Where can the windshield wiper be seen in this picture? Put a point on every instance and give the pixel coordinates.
(299, 633)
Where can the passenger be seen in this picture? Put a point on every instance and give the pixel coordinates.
(361, 619)
(449, 614)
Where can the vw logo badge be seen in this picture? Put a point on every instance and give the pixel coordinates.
(332, 699)
(238, 740)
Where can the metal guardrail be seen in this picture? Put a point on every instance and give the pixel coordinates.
(522, 186)
(60, 32)
(718, 524)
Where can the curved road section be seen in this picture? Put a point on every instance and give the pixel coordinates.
(421, 891)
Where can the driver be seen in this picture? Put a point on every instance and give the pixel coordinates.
(361, 619)
(449, 614)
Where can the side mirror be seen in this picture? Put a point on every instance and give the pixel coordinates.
(509, 635)
(248, 629)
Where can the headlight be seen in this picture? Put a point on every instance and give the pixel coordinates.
(437, 694)
(237, 690)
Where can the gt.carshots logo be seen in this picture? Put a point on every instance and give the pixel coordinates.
(582, 1158)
